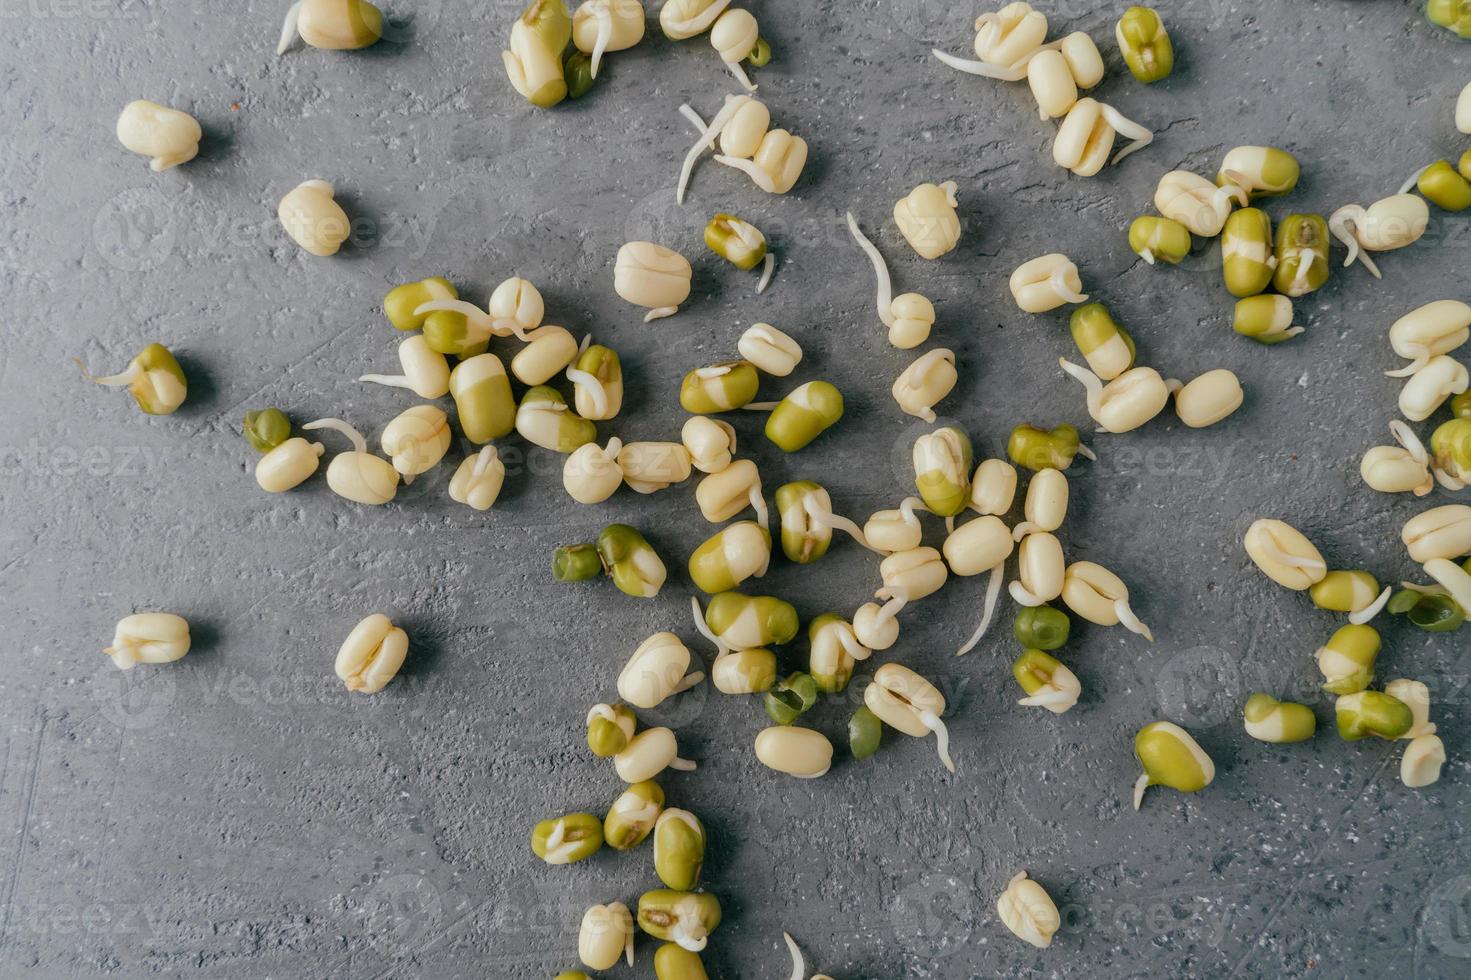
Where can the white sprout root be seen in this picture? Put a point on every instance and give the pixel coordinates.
(1004, 73)
(595, 389)
(605, 34)
(1087, 453)
(122, 380)
(825, 517)
(1446, 480)
(474, 316)
(896, 601)
(1140, 785)
(1281, 557)
(741, 76)
(1415, 179)
(659, 313)
(1305, 259)
(1131, 622)
(1422, 357)
(760, 177)
(1406, 437)
(628, 947)
(721, 647)
(768, 268)
(359, 444)
(1090, 382)
(701, 22)
(1372, 609)
(288, 29)
(690, 680)
(799, 965)
(389, 380)
(1023, 529)
(758, 504)
(1147, 255)
(1343, 223)
(759, 406)
(950, 524)
(707, 138)
(679, 932)
(1047, 695)
(1023, 596)
(1059, 285)
(932, 721)
(885, 297)
(1139, 136)
(684, 765)
(993, 593)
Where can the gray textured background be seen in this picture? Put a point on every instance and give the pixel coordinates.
(239, 815)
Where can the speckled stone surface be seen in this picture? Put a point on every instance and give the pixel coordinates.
(238, 814)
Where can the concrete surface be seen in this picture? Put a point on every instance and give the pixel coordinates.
(239, 815)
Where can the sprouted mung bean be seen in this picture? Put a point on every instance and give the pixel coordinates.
(533, 61)
(154, 379)
(148, 638)
(1267, 319)
(371, 655)
(313, 218)
(657, 670)
(1170, 757)
(1145, 44)
(1208, 399)
(926, 382)
(169, 136)
(1346, 661)
(567, 839)
(772, 351)
(653, 277)
(910, 316)
(1126, 402)
(905, 701)
(1045, 283)
(927, 219)
(1156, 239)
(1278, 722)
(742, 245)
(358, 475)
(1284, 554)
(1025, 907)
(605, 936)
(425, 371)
(333, 25)
(1047, 682)
(1388, 224)
(724, 494)
(1404, 468)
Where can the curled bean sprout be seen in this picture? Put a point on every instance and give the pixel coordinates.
(1138, 135)
(1406, 437)
(1048, 695)
(758, 504)
(993, 593)
(885, 297)
(359, 444)
(1058, 282)
(1372, 609)
(1140, 785)
(1342, 224)
(679, 932)
(659, 313)
(1022, 596)
(1422, 358)
(595, 389)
